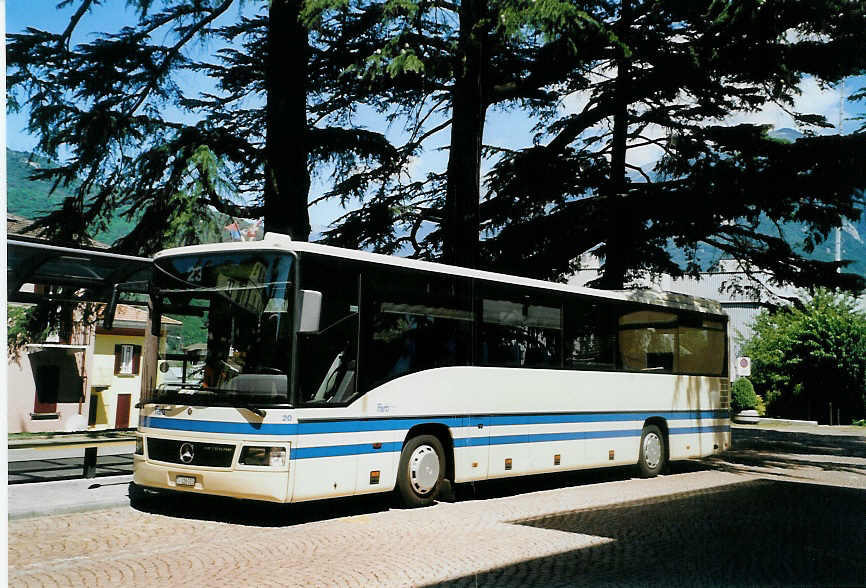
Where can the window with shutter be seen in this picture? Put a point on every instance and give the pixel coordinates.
(125, 359)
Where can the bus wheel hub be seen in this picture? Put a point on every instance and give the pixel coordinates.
(424, 468)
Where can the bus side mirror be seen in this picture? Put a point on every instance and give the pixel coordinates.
(111, 309)
(310, 310)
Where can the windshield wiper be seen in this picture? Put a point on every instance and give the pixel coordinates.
(230, 399)
(257, 411)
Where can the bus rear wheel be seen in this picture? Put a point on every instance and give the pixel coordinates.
(422, 468)
(653, 453)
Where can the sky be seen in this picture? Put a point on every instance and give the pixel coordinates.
(508, 129)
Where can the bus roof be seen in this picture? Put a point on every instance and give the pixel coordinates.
(279, 242)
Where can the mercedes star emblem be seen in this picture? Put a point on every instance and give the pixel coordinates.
(187, 453)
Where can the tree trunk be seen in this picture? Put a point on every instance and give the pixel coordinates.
(620, 219)
(463, 189)
(287, 176)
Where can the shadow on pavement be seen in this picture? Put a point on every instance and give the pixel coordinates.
(65, 468)
(799, 442)
(250, 512)
(755, 448)
(264, 514)
(768, 533)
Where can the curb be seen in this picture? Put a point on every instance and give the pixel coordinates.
(67, 496)
(69, 509)
(786, 421)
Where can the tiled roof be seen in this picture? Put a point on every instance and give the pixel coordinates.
(18, 226)
(136, 314)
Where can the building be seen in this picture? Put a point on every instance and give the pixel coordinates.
(91, 382)
(87, 378)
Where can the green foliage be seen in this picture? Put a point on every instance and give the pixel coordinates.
(687, 67)
(760, 406)
(22, 324)
(201, 105)
(186, 107)
(440, 67)
(805, 358)
(743, 396)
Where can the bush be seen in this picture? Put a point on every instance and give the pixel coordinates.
(743, 396)
(761, 407)
(811, 355)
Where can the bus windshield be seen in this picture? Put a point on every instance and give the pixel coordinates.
(227, 329)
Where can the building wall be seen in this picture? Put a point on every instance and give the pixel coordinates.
(99, 380)
(107, 385)
(21, 388)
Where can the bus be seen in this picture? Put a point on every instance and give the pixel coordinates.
(309, 372)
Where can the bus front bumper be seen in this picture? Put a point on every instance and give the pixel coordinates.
(251, 485)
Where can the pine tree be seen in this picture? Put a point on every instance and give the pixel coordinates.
(676, 71)
(141, 122)
(442, 66)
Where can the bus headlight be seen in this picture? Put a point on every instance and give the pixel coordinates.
(263, 456)
(139, 445)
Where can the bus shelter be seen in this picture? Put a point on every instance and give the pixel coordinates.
(81, 377)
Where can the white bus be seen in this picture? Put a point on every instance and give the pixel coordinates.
(310, 372)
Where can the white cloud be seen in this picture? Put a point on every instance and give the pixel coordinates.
(813, 99)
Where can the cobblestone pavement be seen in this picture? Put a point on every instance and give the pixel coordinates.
(780, 509)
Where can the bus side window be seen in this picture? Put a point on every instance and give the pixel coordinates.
(590, 335)
(648, 341)
(518, 328)
(413, 321)
(701, 345)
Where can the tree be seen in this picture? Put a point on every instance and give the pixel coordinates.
(675, 73)
(165, 135)
(444, 65)
(806, 359)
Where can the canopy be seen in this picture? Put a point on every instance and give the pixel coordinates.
(88, 274)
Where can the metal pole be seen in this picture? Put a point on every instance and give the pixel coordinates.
(90, 462)
(831, 414)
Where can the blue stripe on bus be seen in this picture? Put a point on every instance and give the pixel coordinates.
(538, 419)
(570, 436)
(691, 430)
(574, 436)
(353, 426)
(340, 450)
(396, 424)
(394, 447)
(219, 426)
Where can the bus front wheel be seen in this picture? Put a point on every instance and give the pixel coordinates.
(653, 454)
(422, 467)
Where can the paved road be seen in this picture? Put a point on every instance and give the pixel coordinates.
(783, 508)
(64, 462)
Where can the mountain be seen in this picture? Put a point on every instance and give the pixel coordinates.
(32, 198)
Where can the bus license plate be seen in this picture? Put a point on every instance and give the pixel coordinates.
(185, 480)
